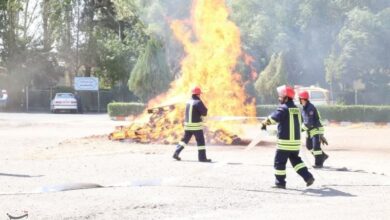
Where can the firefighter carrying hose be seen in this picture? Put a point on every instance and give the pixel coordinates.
(315, 131)
(193, 125)
(288, 118)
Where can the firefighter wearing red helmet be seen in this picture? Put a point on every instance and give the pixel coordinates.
(315, 131)
(288, 118)
(193, 125)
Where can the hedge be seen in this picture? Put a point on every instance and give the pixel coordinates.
(352, 113)
(124, 108)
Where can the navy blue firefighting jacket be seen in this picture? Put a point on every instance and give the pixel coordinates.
(288, 117)
(312, 120)
(195, 109)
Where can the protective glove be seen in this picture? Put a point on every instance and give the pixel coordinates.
(263, 126)
(323, 140)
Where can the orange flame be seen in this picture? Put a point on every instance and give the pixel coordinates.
(249, 60)
(212, 45)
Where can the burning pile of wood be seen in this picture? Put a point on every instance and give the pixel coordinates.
(164, 128)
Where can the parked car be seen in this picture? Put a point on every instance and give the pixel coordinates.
(317, 95)
(3, 99)
(64, 102)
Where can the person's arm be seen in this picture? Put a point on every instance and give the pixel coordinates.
(318, 117)
(273, 118)
(311, 118)
(202, 109)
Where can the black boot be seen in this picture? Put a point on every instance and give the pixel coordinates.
(277, 186)
(319, 160)
(325, 157)
(202, 156)
(310, 181)
(179, 148)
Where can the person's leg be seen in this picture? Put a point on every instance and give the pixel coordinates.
(300, 167)
(199, 136)
(317, 151)
(280, 168)
(184, 141)
(309, 144)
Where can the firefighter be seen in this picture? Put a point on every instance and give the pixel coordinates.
(315, 131)
(193, 125)
(288, 118)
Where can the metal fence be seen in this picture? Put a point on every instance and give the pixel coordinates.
(38, 100)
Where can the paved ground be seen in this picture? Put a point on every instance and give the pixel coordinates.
(40, 153)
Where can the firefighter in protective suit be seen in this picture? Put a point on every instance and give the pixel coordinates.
(193, 125)
(315, 131)
(288, 118)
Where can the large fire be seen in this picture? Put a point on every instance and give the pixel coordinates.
(212, 45)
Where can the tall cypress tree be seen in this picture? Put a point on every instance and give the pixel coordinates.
(270, 78)
(151, 75)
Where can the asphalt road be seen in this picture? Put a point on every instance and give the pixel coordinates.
(40, 153)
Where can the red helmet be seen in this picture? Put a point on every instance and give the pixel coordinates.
(284, 91)
(196, 90)
(304, 95)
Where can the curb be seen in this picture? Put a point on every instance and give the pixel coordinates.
(331, 122)
(348, 123)
(121, 118)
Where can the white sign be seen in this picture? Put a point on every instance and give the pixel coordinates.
(86, 83)
(358, 85)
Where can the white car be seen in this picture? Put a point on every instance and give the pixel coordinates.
(64, 102)
(3, 99)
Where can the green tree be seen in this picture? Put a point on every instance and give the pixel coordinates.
(151, 74)
(270, 78)
(359, 53)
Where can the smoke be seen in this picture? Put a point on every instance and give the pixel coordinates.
(157, 16)
(308, 32)
(305, 31)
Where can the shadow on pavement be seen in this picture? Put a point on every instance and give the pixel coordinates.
(327, 192)
(323, 192)
(19, 175)
(345, 169)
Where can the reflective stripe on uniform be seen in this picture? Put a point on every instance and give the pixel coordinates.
(289, 142)
(319, 118)
(317, 152)
(280, 172)
(189, 128)
(299, 166)
(292, 112)
(201, 147)
(316, 131)
(272, 121)
(191, 103)
(181, 143)
(288, 147)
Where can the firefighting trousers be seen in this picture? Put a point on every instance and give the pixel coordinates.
(314, 145)
(280, 162)
(199, 137)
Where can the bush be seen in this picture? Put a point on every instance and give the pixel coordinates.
(265, 110)
(352, 113)
(124, 108)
